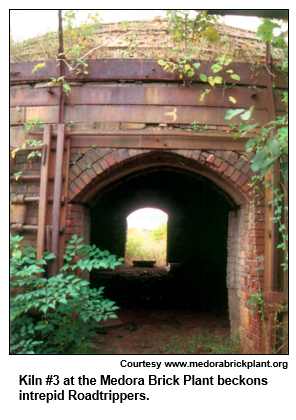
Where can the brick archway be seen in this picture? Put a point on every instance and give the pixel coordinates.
(229, 172)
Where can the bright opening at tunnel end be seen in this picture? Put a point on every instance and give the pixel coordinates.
(146, 237)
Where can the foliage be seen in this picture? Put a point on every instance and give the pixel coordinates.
(266, 32)
(29, 142)
(270, 148)
(206, 342)
(160, 233)
(134, 245)
(184, 27)
(66, 310)
(92, 39)
(258, 303)
(65, 85)
(143, 245)
(184, 66)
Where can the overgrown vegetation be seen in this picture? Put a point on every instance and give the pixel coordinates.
(147, 245)
(29, 143)
(60, 314)
(205, 342)
(182, 33)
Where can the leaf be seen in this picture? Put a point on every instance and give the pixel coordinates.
(49, 256)
(218, 80)
(232, 99)
(17, 253)
(66, 86)
(216, 68)
(273, 146)
(265, 31)
(284, 169)
(39, 66)
(221, 59)
(211, 81)
(235, 76)
(83, 283)
(161, 62)
(203, 77)
(259, 159)
(247, 115)
(232, 113)
(212, 34)
(196, 65)
(40, 326)
(63, 300)
(251, 143)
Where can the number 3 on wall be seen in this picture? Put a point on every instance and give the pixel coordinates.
(172, 114)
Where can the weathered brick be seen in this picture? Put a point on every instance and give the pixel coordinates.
(195, 154)
(236, 174)
(94, 154)
(71, 230)
(81, 164)
(256, 339)
(85, 178)
(124, 154)
(79, 183)
(71, 175)
(91, 173)
(217, 162)
(222, 168)
(110, 159)
(133, 152)
(87, 160)
(97, 167)
(232, 158)
(210, 159)
(240, 163)
(241, 180)
(246, 187)
(75, 169)
(229, 171)
(104, 164)
(225, 155)
(246, 168)
(117, 156)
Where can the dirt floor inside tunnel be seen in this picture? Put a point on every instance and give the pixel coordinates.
(161, 313)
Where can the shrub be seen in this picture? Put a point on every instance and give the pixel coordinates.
(60, 314)
(160, 233)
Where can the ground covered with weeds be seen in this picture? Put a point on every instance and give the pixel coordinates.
(152, 331)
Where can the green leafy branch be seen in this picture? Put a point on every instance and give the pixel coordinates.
(57, 301)
(55, 82)
(28, 143)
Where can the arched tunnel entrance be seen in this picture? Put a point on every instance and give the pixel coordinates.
(146, 238)
(196, 239)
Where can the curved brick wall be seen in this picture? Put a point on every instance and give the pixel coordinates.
(230, 167)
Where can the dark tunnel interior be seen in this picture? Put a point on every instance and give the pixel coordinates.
(197, 240)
